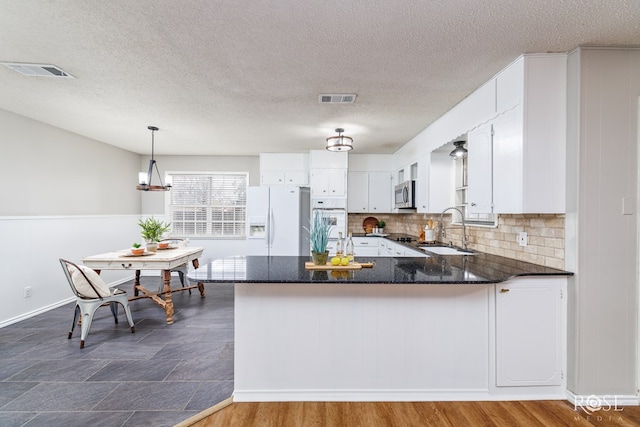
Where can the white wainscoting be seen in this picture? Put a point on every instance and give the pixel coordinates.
(31, 247)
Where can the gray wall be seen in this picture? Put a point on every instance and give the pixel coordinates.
(601, 241)
(48, 171)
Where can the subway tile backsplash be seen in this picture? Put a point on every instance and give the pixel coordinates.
(545, 234)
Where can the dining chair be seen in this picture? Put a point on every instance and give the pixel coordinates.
(91, 293)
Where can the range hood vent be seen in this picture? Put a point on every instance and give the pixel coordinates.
(337, 98)
(38, 70)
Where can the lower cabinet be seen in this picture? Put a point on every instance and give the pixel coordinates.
(365, 246)
(530, 332)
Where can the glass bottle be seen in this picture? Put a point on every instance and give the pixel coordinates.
(339, 245)
(349, 249)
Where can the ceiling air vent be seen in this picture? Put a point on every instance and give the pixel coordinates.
(38, 70)
(337, 98)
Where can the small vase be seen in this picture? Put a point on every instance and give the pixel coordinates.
(152, 247)
(320, 258)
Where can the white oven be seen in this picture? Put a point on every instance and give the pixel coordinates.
(335, 211)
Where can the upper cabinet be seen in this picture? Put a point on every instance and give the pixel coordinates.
(284, 169)
(329, 182)
(479, 197)
(369, 192)
(328, 173)
(529, 136)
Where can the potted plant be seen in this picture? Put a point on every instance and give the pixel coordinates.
(381, 225)
(319, 238)
(152, 231)
(137, 249)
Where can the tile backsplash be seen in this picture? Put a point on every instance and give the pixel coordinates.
(545, 234)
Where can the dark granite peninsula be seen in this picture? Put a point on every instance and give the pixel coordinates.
(475, 327)
(447, 269)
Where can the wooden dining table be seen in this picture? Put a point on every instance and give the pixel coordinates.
(163, 260)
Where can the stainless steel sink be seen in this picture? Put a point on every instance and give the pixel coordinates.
(447, 250)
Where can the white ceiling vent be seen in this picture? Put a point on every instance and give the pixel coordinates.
(38, 70)
(337, 98)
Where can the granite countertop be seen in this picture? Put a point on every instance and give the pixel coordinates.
(451, 269)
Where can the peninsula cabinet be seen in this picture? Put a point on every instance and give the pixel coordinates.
(369, 192)
(529, 136)
(530, 325)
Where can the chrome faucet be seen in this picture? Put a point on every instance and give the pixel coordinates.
(464, 228)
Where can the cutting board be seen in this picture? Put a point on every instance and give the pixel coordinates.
(309, 265)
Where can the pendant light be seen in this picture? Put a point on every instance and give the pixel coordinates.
(144, 178)
(459, 152)
(339, 142)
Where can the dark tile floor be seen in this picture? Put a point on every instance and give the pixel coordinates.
(159, 376)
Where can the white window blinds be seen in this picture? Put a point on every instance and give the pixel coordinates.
(208, 204)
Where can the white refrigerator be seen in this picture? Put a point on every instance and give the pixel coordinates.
(276, 216)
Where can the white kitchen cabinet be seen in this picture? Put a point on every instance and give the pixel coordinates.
(329, 182)
(369, 192)
(297, 178)
(480, 170)
(529, 136)
(284, 169)
(365, 246)
(358, 191)
(441, 182)
(422, 184)
(388, 248)
(530, 332)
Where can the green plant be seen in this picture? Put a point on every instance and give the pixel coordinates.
(135, 245)
(152, 229)
(381, 223)
(319, 232)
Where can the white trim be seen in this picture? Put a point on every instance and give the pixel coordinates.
(35, 312)
(383, 395)
(34, 217)
(50, 307)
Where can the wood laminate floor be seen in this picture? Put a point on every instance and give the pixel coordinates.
(406, 414)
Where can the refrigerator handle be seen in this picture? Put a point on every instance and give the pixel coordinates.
(271, 227)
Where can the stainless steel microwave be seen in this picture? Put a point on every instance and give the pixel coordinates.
(405, 195)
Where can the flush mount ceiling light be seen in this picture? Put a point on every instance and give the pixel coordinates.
(339, 142)
(144, 178)
(459, 152)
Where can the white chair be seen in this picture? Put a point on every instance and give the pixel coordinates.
(92, 292)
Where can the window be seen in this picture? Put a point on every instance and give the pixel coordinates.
(208, 204)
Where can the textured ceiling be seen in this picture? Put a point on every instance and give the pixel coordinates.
(239, 77)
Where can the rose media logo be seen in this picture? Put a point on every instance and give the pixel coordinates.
(600, 408)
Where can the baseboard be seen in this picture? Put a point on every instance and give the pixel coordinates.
(381, 396)
(36, 312)
(44, 309)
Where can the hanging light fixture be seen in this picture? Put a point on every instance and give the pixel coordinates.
(144, 178)
(339, 142)
(459, 152)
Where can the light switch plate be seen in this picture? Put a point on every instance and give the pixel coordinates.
(523, 238)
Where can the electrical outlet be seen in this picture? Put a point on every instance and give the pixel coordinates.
(523, 238)
(27, 292)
